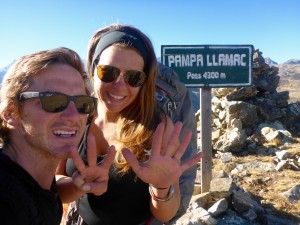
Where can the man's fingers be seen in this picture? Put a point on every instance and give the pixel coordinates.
(91, 150)
(78, 162)
(97, 188)
(78, 181)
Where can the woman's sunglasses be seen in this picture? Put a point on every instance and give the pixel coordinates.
(54, 102)
(109, 74)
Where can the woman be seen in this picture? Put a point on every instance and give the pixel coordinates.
(123, 68)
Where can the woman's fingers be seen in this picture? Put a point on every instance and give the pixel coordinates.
(189, 163)
(157, 140)
(173, 141)
(183, 146)
(109, 158)
(131, 159)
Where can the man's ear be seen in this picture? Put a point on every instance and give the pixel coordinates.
(11, 116)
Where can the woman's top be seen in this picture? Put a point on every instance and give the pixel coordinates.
(126, 202)
(22, 200)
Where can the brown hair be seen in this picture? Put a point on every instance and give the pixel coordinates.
(18, 76)
(137, 122)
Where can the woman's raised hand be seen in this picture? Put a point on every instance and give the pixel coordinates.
(164, 166)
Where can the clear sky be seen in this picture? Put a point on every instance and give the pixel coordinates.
(272, 26)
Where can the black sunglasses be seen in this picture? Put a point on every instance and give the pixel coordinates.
(109, 74)
(54, 102)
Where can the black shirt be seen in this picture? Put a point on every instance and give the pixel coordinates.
(126, 202)
(22, 200)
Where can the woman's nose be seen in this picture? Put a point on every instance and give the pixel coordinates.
(120, 80)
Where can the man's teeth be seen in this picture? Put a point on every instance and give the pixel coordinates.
(64, 133)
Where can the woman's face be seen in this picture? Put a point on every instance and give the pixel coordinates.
(117, 95)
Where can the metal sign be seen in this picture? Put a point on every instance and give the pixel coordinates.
(210, 65)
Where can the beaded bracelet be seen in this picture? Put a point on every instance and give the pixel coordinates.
(170, 194)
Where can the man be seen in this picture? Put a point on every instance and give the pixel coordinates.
(44, 108)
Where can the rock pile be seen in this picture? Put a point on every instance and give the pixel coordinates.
(226, 203)
(244, 120)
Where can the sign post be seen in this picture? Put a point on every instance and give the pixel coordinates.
(206, 67)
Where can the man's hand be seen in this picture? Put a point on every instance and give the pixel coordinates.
(92, 178)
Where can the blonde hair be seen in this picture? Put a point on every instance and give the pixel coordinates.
(21, 72)
(137, 122)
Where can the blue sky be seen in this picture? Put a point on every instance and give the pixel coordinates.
(273, 26)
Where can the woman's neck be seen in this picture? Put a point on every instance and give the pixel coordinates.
(106, 116)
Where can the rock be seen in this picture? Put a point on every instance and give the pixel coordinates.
(293, 194)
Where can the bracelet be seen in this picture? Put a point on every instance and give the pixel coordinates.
(160, 188)
(170, 194)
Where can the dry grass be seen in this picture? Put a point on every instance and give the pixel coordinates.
(293, 90)
(266, 187)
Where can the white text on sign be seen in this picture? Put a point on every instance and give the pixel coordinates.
(197, 60)
(205, 75)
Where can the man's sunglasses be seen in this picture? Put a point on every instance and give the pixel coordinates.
(109, 74)
(54, 102)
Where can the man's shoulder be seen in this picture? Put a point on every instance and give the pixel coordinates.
(13, 200)
(11, 212)
(10, 184)
(16, 199)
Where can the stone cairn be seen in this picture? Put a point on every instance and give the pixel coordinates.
(243, 121)
(246, 118)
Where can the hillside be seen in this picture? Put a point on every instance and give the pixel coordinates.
(247, 158)
(289, 80)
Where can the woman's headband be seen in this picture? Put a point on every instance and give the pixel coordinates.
(122, 35)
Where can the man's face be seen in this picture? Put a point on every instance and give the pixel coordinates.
(53, 134)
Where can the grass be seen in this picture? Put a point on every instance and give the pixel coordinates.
(266, 187)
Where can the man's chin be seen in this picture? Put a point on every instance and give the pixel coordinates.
(65, 152)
